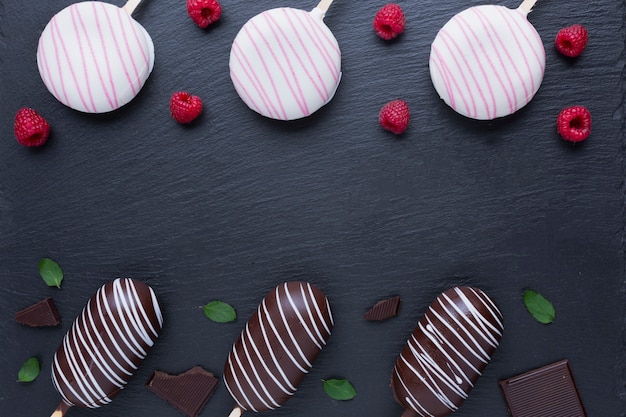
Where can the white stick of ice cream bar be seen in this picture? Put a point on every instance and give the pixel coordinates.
(285, 63)
(488, 61)
(94, 57)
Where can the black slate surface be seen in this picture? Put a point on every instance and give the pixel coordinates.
(235, 204)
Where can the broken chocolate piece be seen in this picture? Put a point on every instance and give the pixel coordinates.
(549, 391)
(41, 314)
(384, 309)
(187, 392)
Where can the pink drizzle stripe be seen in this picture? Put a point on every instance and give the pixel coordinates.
(489, 30)
(307, 62)
(79, 38)
(251, 75)
(523, 31)
(137, 38)
(68, 59)
(118, 51)
(241, 59)
(268, 73)
(469, 32)
(53, 35)
(462, 69)
(488, 95)
(444, 72)
(129, 55)
(521, 51)
(315, 34)
(44, 68)
(296, 90)
(505, 48)
(115, 103)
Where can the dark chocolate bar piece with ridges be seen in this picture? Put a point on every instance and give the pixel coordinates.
(384, 309)
(549, 391)
(41, 314)
(187, 392)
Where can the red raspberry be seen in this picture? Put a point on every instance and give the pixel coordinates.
(30, 128)
(571, 41)
(184, 107)
(389, 21)
(574, 123)
(395, 116)
(204, 12)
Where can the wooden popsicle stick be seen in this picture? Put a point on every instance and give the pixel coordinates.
(130, 6)
(61, 410)
(237, 412)
(325, 4)
(527, 5)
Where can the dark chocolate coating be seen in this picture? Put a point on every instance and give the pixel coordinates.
(106, 343)
(447, 352)
(278, 346)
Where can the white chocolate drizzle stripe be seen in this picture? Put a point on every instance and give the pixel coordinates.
(89, 363)
(280, 339)
(270, 349)
(247, 378)
(96, 355)
(258, 387)
(289, 331)
(439, 377)
(320, 338)
(264, 363)
(305, 326)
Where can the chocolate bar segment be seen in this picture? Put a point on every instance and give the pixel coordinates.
(549, 391)
(187, 392)
(384, 309)
(41, 314)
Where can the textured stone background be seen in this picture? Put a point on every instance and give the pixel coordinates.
(235, 204)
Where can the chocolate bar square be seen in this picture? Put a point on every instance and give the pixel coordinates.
(549, 391)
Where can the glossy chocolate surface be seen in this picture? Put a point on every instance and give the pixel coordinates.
(106, 343)
(447, 352)
(278, 346)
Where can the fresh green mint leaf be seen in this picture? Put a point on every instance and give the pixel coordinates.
(339, 389)
(540, 308)
(51, 272)
(30, 370)
(220, 312)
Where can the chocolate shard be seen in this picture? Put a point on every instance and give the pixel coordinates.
(447, 352)
(187, 392)
(549, 391)
(41, 314)
(384, 309)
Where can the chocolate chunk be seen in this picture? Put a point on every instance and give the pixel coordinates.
(549, 391)
(187, 392)
(41, 314)
(384, 309)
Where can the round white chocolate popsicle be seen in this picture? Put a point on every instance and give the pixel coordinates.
(94, 57)
(285, 63)
(488, 61)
